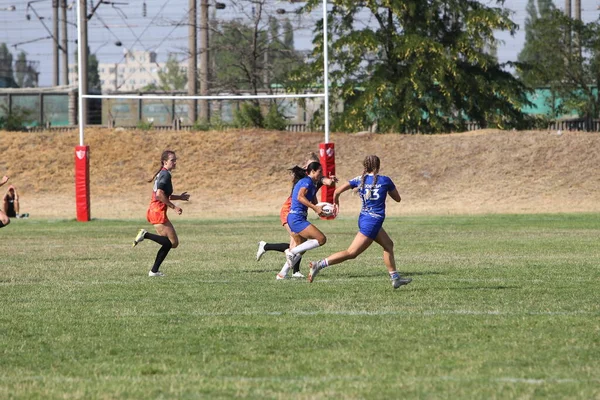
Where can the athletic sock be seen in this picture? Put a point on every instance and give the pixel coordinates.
(394, 275)
(162, 240)
(281, 247)
(285, 269)
(296, 267)
(161, 255)
(304, 247)
(323, 263)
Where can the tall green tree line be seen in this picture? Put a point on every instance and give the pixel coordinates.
(563, 55)
(419, 66)
(19, 72)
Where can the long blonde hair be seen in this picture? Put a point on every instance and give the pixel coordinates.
(164, 157)
(371, 164)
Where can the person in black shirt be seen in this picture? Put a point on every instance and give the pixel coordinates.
(162, 194)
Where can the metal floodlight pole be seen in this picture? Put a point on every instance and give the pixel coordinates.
(55, 70)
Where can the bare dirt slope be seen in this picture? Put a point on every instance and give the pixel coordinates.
(237, 173)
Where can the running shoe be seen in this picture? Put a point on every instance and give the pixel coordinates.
(139, 237)
(396, 283)
(298, 275)
(280, 277)
(261, 250)
(314, 270)
(158, 273)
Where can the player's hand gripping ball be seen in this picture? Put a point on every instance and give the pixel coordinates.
(328, 209)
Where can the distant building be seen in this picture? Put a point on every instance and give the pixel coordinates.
(135, 71)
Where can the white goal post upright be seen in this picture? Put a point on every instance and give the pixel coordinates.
(82, 182)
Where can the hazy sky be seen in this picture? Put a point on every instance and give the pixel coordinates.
(163, 28)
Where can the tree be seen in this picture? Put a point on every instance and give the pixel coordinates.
(171, 77)
(531, 55)
(6, 62)
(253, 54)
(93, 75)
(567, 61)
(418, 67)
(25, 73)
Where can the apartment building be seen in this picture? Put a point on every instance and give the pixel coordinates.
(136, 70)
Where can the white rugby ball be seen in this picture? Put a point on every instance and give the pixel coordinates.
(328, 208)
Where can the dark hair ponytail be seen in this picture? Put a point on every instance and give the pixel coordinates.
(313, 166)
(163, 157)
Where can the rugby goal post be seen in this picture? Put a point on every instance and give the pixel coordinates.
(82, 152)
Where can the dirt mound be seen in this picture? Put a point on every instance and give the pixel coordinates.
(235, 173)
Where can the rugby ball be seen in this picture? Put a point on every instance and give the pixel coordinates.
(328, 208)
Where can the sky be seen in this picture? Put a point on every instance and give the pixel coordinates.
(162, 28)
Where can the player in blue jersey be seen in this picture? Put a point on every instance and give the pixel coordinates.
(373, 190)
(305, 235)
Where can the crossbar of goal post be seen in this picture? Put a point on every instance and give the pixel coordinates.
(82, 152)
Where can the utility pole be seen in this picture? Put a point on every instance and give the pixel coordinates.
(65, 48)
(83, 59)
(204, 111)
(193, 61)
(55, 46)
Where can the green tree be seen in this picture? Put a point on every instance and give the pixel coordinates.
(531, 55)
(25, 73)
(6, 62)
(254, 54)
(419, 66)
(567, 61)
(93, 74)
(171, 77)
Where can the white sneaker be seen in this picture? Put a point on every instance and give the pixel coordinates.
(396, 283)
(139, 237)
(298, 275)
(261, 250)
(280, 277)
(314, 270)
(150, 273)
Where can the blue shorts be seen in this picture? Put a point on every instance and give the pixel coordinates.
(369, 226)
(297, 222)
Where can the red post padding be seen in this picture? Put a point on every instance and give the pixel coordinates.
(82, 182)
(327, 158)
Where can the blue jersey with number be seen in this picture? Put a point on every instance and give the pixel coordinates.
(311, 192)
(373, 198)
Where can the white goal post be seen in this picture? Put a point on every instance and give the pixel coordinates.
(82, 151)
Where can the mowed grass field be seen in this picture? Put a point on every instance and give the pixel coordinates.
(500, 307)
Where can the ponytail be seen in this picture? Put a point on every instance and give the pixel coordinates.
(164, 157)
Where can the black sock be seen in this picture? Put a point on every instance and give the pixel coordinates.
(296, 267)
(281, 247)
(162, 240)
(161, 255)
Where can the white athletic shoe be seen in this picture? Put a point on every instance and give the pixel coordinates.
(396, 283)
(261, 250)
(280, 277)
(139, 237)
(298, 275)
(314, 270)
(150, 273)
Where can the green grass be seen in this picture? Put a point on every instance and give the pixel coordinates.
(503, 306)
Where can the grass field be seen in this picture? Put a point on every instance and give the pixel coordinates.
(500, 307)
